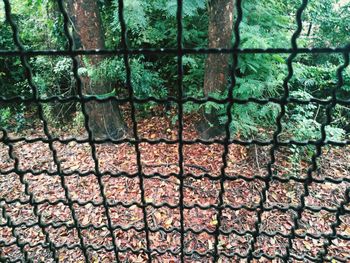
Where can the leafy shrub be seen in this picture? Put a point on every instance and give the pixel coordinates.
(5, 116)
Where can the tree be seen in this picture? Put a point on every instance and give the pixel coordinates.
(207, 23)
(105, 119)
(217, 65)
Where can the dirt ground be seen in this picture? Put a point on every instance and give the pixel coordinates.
(262, 217)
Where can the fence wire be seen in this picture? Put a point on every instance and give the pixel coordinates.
(215, 253)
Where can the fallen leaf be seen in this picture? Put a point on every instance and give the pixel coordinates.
(210, 244)
(85, 220)
(307, 245)
(168, 222)
(214, 222)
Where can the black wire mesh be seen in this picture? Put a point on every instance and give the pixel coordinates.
(215, 253)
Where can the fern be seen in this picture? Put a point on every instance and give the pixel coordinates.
(190, 7)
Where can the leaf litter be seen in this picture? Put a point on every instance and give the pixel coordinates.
(242, 201)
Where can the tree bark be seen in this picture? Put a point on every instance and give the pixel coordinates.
(105, 119)
(217, 65)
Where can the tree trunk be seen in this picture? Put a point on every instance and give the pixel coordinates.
(105, 119)
(217, 65)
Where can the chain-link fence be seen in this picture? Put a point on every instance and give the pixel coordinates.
(246, 238)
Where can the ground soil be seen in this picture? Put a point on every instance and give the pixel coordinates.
(322, 201)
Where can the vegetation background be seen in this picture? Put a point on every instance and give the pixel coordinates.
(266, 24)
(303, 208)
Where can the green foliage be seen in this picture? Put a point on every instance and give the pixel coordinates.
(58, 81)
(271, 24)
(9, 119)
(145, 82)
(332, 24)
(190, 7)
(11, 70)
(301, 121)
(5, 115)
(193, 76)
(40, 31)
(259, 75)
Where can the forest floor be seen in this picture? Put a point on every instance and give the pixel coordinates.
(242, 197)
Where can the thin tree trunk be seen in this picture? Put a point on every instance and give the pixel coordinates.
(105, 119)
(217, 65)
